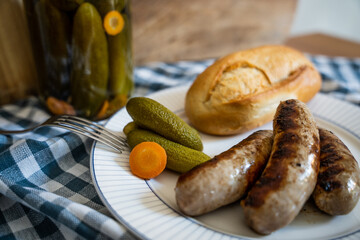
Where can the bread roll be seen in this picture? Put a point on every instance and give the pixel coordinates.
(241, 91)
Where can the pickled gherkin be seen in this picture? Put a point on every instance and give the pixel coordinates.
(90, 68)
(150, 114)
(120, 50)
(120, 54)
(55, 42)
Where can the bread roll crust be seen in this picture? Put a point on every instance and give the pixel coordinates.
(241, 91)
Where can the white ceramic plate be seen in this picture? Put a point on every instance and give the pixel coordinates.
(149, 210)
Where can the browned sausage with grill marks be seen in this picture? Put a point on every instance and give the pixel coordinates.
(290, 175)
(338, 187)
(225, 178)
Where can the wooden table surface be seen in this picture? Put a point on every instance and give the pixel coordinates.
(324, 44)
(193, 30)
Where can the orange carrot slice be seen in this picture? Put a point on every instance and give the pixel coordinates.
(59, 107)
(147, 160)
(113, 22)
(102, 113)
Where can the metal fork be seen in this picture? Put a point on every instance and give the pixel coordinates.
(81, 126)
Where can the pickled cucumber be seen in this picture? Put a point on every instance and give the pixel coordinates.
(89, 78)
(120, 50)
(129, 127)
(121, 81)
(55, 29)
(149, 114)
(179, 158)
(67, 5)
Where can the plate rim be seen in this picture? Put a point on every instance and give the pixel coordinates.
(179, 88)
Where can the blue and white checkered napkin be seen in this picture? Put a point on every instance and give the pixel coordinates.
(45, 184)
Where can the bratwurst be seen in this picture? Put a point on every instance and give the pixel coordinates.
(290, 175)
(338, 187)
(225, 178)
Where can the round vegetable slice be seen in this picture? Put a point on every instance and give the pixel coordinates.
(147, 160)
(113, 22)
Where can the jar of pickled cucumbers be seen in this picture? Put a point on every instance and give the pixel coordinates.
(83, 55)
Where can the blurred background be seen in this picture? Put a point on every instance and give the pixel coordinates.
(328, 27)
(334, 17)
(193, 30)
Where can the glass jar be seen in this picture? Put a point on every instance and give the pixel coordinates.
(83, 55)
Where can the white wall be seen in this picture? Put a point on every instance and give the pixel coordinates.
(339, 18)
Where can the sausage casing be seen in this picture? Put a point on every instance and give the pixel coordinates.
(225, 178)
(338, 187)
(290, 175)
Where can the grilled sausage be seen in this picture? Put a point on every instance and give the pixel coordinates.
(225, 178)
(290, 175)
(338, 187)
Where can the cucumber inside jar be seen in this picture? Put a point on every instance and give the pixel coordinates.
(90, 62)
(119, 81)
(54, 43)
(93, 68)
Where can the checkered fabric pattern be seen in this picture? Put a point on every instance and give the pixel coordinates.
(46, 190)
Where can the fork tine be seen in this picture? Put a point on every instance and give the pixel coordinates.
(86, 132)
(95, 127)
(89, 122)
(93, 130)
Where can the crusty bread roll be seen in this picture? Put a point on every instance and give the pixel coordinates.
(241, 91)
